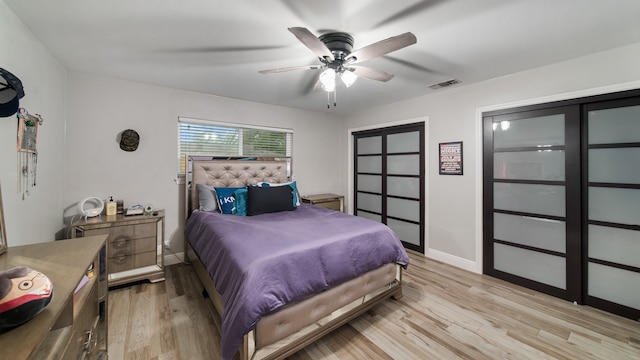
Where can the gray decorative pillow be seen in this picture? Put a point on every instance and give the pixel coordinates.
(207, 197)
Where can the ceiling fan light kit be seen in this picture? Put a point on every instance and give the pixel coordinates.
(334, 50)
(328, 80)
(348, 77)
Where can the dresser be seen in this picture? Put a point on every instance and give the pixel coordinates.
(329, 201)
(74, 323)
(135, 245)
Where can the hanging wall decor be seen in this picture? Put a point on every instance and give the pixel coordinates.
(11, 92)
(129, 140)
(28, 126)
(450, 158)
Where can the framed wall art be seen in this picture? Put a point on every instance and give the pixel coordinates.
(450, 158)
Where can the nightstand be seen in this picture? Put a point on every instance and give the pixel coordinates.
(329, 201)
(135, 245)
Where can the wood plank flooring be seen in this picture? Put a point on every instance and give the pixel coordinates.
(446, 313)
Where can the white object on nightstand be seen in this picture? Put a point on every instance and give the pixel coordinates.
(91, 206)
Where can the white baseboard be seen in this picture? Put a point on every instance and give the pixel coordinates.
(456, 261)
(172, 259)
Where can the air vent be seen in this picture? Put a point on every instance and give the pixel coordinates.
(444, 84)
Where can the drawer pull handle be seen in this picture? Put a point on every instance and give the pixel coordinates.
(120, 242)
(121, 258)
(91, 342)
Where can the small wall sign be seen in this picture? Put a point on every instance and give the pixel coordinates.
(450, 158)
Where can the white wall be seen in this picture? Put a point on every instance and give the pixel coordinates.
(100, 108)
(454, 215)
(38, 217)
(85, 159)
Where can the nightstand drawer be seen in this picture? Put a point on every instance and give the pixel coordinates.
(123, 260)
(118, 233)
(132, 246)
(331, 204)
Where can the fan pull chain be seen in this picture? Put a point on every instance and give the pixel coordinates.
(335, 101)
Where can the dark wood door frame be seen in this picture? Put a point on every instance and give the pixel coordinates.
(576, 162)
(422, 171)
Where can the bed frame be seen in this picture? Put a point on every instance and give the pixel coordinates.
(299, 324)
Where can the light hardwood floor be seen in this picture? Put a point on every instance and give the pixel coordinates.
(446, 313)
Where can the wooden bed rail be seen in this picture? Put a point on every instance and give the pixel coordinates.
(307, 335)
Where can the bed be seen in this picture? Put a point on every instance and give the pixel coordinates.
(277, 285)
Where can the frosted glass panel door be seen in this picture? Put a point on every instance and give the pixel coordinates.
(369, 175)
(526, 192)
(562, 199)
(389, 180)
(613, 233)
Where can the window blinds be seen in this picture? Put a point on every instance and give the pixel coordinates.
(197, 137)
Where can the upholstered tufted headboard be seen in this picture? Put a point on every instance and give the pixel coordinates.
(231, 173)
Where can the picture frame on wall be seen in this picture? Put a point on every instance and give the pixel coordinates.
(450, 158)
(28, 126)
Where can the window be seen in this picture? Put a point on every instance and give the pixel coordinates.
(198, 137)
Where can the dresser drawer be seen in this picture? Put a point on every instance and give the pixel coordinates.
(83, 337)
(120, 233)
(123, 260)
(134, 248)
(131, 246)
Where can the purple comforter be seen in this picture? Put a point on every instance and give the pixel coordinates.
(260, 263)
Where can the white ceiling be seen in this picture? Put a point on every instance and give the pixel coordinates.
(218, 46)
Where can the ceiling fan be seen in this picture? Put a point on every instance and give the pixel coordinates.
(334, 50)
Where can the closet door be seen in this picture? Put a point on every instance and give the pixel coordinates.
(612, 173)
(532, 199)
(369, 177)
(389, 180)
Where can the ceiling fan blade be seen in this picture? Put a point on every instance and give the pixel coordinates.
(317, 85)
(290, 68)
(312, 42)
(410, 64)
(213, 49)
(382, 47)
(412, 10)
(370, 73)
